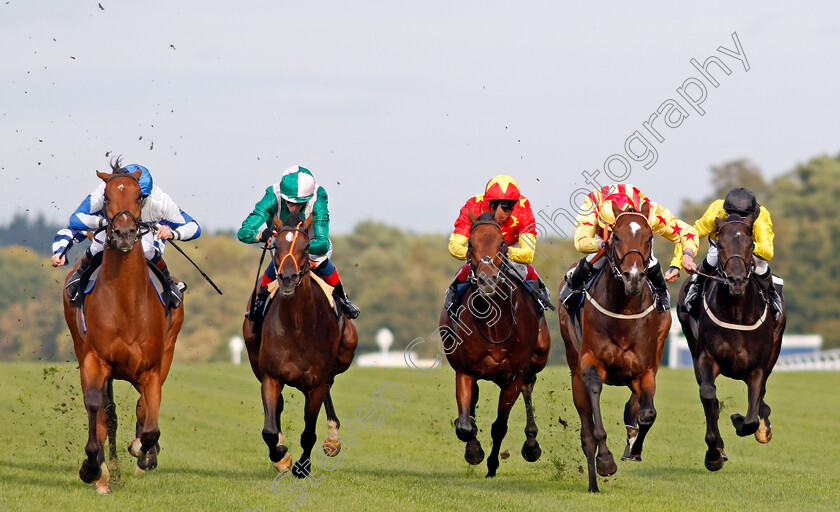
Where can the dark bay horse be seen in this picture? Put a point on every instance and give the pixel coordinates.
(499, 336)
(734, 335)
(303, 344)
(128, 336)
(622, 340)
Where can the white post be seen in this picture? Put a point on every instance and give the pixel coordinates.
(236, 344)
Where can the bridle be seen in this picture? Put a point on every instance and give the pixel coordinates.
(748, 266)
(501, 279)
(141, 228)
(299, 272)
(611, 256)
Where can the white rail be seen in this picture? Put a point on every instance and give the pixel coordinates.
(828, 360)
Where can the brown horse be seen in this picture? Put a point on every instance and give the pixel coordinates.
(129, 335)
(302, 343)
(622, 341)
(734, 335)
(498, 336)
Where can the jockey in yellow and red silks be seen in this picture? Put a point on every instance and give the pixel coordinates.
(518, 228)
(597, 213)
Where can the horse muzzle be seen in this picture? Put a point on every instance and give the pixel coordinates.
(737, 285)
(633, 282)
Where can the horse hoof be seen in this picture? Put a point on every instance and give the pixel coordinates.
(135, 448)
(138, 471)
(301, 469)
(283, 464)
(714, 465)
(631, 457)
(605, 465)
(103, 489)
(90, 472)
(723, 454)
(473, 454)
(764, 434)
(332, 446)
(531, 450)
(147, 463)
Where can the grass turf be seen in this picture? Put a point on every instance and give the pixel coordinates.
(214, 458)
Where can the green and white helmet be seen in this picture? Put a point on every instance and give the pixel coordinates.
(297, 185)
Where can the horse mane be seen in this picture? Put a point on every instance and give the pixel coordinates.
(117, 167)
(293, 219)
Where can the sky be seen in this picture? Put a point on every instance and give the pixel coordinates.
(404, 110)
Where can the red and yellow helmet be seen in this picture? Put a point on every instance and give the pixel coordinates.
(501, 188)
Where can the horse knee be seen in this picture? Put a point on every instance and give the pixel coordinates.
(647, 416)
(93, 399)
(707, 392)
(593, 382)
(499, 428)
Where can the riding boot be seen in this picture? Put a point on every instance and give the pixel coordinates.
(451, 296)
(257, 310)
(695, 286)
(766, 283)
(660, 288)
(176, 290)
(350, 310)
(543, 295)
(575, 280)
(73, 284)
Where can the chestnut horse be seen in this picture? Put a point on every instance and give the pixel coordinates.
(303, 344)
(498, 336)
(123, 333)
(734, 334)
(622, 341)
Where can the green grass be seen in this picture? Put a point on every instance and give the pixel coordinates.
(214, 458)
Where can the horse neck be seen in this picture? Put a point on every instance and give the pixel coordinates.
(614, 298)
(127, 268)
(298, 312)
(500, 316)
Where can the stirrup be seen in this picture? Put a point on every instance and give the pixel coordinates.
(662, 300)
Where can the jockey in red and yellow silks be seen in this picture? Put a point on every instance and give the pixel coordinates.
(597, 213)
(518, 228)
(741, 202)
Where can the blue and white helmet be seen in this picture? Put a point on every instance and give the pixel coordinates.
(145, 180)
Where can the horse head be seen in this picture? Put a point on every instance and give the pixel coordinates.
(123, 202)
(733, 238)
(485, 250)
(291, 252)
(629, 247)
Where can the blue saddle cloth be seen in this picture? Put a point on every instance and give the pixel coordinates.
(91, 284)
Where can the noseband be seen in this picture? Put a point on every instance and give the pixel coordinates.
(300, 272)
(721, 266)
(611, 257)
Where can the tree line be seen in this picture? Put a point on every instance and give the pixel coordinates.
(398, 278)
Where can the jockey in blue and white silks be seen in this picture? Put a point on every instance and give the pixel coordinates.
(158, 209)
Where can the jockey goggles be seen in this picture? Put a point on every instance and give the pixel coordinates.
(507, 205)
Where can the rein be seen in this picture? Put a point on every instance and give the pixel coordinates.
(298, 272)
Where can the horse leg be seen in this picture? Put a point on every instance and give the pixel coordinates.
(749, 425)
(498, 431)
(706, 371)
(593, 380)
(587, 439)
(314, 399)
(764, 434)
(332, 445)
(631, 423)
(646, 388)
(272, 398)
(466, 395)
(149, 432)
(531, 450)
(111, 419)
(94, 377)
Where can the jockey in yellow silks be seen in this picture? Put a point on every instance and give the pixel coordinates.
(596, 213)
(739, 201)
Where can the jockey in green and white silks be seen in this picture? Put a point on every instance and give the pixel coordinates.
(296, 192)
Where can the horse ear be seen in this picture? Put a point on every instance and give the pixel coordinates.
(615, 208)
(471, 216)
(307, 223)
(719, 222)
(498, 216)
(137, 174)
(277, 223)
(104, 176)
(646, 209)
